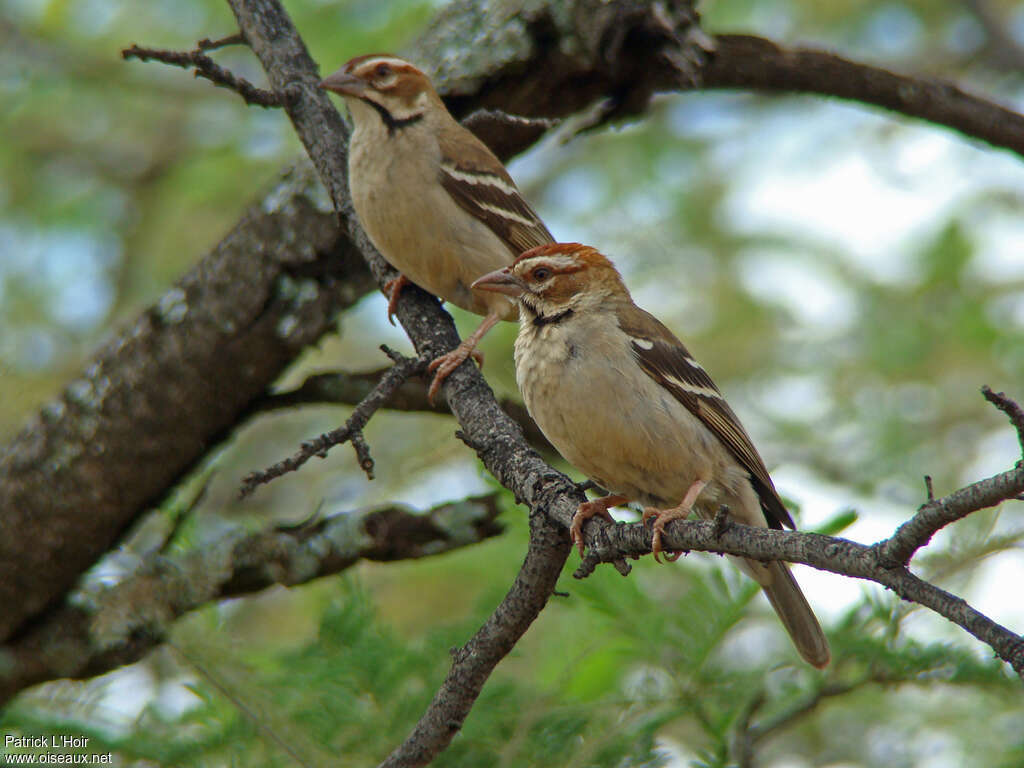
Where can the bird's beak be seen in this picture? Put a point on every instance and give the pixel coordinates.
(501, 281)
(344, 83)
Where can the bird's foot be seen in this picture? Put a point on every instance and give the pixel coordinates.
(663, 517)
(443, 365)
(587, 510)
(394, 289)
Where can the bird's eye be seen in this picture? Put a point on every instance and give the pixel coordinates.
(382, 70)
(541, 273)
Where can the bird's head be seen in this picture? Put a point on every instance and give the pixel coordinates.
(553, 278)
(394, 90)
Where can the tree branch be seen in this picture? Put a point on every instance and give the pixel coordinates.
(1013, 411)
(938, 513)
(351, 431)
(206, 67)
(743, 61)
(340, 388)
(84, 452)
(828, 553)
(158, 395)
(96, 633)
(473, 663)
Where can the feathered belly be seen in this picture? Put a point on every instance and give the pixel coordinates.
(621, 429)
(435, 244)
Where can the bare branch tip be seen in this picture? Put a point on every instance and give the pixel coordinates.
(1010, 407)
(206, 44)
(362, 449)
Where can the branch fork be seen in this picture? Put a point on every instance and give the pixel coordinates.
(204, 66)
(351, 431)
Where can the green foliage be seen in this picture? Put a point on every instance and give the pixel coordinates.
(853, 356)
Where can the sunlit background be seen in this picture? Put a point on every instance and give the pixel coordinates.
(850, 278)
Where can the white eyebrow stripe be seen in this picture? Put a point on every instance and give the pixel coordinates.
(382, 60)
(480, 177)
(556, 263)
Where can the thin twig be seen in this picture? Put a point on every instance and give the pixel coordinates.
(342, 388)
(206, 67)
(261, 724)
(805, 707)
(897, 550)
(1011, 408)
(206, 44)
(351, 431)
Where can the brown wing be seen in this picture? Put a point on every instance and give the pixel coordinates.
(481, 186)
(666, 360)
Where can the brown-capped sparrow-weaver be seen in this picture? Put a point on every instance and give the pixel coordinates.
(621, 399)
(434, 200)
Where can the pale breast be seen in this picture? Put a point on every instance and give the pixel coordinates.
(612, 421)
(428, 237)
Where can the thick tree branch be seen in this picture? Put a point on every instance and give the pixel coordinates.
(497, 440)
(530, 58)
(119, 624)
(473, 663)
(159, 394)
(753, 63)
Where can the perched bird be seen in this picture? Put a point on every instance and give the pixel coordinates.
(622, 399)
(435, 201)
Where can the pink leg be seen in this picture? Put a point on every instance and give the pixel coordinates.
(394, 289)
(589, 509)
(663, 517)
(445, 364)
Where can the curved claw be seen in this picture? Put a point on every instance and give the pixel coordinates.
(442, 366)
(447, 363)
(394, 288)
(663, 517)
(589, 509)
(656, 550)
(584, 512)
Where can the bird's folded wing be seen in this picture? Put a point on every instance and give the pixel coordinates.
(666, 360)
(480, 185)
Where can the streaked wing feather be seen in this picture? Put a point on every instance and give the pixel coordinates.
(480, 185)
(666, 360)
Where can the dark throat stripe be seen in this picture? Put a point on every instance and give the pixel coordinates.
(542, 320)
(393, 124)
